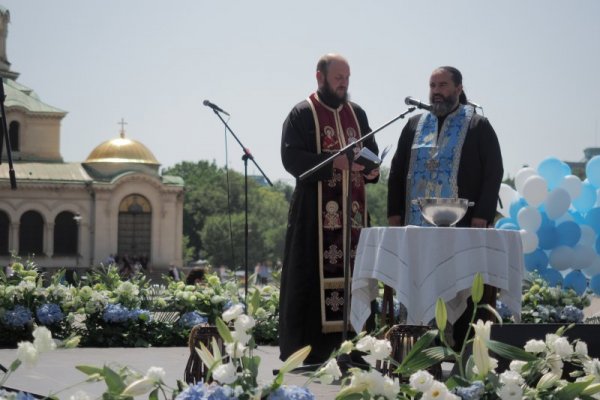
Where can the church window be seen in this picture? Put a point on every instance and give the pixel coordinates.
(66, 234)
(4, 232)
(135, 227)
(13, 134)
(31, 234)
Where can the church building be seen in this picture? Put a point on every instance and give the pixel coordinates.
(77, 214)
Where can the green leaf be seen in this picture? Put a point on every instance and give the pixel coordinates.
(224, 331)
(477, 288)
(153, 395)
(89, 370)
(423, 342)
(113, 381)
(509, 352)
(254, 302)
(15, 364)
(424, 359)
(574, 389)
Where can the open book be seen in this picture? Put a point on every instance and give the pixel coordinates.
(369, 159)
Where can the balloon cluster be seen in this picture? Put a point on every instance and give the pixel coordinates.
(558, 217)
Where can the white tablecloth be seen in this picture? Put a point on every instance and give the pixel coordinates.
(424, 263)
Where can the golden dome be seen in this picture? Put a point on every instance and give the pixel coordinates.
(122, 150)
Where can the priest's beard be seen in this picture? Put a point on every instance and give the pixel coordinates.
(440, 109)
(330, 97)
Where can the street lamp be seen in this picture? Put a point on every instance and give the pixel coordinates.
(77, 219)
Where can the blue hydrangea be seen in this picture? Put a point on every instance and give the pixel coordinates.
(503, 310)
(139, 314)
(19, 396)
(291, 393)
(473, 392)
(18, 317)
(49, 314)
(115, 313)
(191, 319)
(200, 391)
(571, 314)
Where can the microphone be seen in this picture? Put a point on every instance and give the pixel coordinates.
(414, 102)
(215, 107)
(469, 102)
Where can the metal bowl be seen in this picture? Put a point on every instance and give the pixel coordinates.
(443, 211)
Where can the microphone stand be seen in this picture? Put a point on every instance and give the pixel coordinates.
(344, 360)
(11, 171)
(247, 156)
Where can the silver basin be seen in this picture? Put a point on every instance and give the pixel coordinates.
(443, 211)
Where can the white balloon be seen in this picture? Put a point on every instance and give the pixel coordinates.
(522, 176)
(529, 218)
(593, 269)
(561, 258)
(572, 184)
(507, 195)
(584, 256)
(588, 236)
(535, 190)
(530, 241)
(557, 203)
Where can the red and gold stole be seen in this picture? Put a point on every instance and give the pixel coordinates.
(335, 128)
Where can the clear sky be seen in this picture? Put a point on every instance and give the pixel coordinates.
(533, 65)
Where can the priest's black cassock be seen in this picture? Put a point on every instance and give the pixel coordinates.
(300, 307)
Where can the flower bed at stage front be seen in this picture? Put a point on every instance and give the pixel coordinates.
(106, 311)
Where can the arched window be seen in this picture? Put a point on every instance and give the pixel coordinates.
(13, 134)
(31, 234)
(135, 227)
(4, 231)
(66, 234)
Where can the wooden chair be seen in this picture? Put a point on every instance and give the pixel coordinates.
(195, 370)
(402, 338)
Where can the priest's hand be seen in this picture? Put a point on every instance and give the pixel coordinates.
(478, 223)
(372, 175)
(395, 220)
(341, 162)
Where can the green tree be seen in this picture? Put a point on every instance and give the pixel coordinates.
(377, 199)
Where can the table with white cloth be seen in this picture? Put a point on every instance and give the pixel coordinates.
(423, 264)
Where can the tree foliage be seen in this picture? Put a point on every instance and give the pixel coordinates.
(214, 221)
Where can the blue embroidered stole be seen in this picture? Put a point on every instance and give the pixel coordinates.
(434, 160)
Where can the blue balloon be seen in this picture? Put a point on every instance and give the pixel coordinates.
(592, 171)
(546, 221)
(566, 168)
(598, 244)
(548, 237)
(576, 281)
(509, 226)
(595, 284)
(552, 276)
(577, 217)
(569, 233)
(515, 206)
(592, 218)
(505, 220)
(552, 170)
(586, 199)
(537, 259)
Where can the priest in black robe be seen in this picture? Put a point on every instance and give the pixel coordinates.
(449, 152)
(312, 298)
